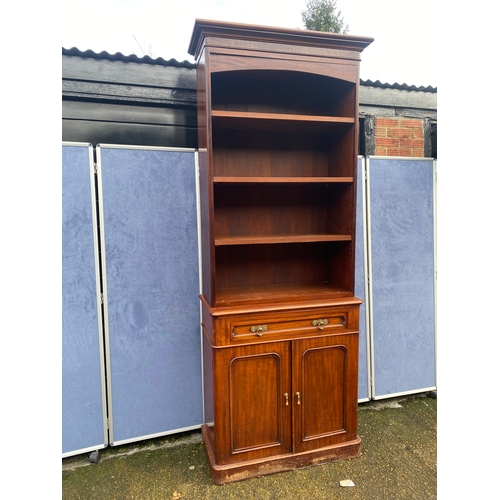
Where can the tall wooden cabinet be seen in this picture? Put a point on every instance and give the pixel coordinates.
(277, 133)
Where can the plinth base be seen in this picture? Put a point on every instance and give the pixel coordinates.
(239, 471)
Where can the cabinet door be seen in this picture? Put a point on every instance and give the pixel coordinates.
(254, 415)
(325, 391)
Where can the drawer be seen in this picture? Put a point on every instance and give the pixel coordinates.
(271, 327)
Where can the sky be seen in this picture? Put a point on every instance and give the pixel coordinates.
(405, 32)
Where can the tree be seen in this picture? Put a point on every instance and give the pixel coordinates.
(146, 51)
(323, 15)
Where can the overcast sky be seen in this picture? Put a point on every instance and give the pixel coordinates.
(404, 50)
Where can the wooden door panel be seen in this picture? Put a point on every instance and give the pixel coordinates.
(254, 418)
(323, 391)
(325, 377)
(254, 383)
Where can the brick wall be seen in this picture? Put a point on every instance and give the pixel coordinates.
(399, 137)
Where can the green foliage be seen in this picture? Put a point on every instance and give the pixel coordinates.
(323, 15)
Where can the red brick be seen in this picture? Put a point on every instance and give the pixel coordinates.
(405, 152)
(418, 153)
(399, 132)
(386, 122)
(393, 152)
(380, 151)
(381, 131)
(412, 143)
(418, 133)
(386, 141)
(411, 122)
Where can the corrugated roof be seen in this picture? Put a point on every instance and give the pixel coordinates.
(399, 86)
(118, 56)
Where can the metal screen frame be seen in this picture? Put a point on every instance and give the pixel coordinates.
(362, 246)
(99, 328)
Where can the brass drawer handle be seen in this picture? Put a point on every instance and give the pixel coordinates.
(320, 323)
(259, 329)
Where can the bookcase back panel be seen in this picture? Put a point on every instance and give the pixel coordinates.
(280, 209)
(288, 264)
(265, 153)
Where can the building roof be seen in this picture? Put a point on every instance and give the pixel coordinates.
(118, 56)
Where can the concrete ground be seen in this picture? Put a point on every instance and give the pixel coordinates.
(398, 461)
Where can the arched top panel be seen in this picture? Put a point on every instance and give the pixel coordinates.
(341, 69)
(280, 91)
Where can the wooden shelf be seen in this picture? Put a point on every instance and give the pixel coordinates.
(278, 293)
(277, 121)
(278, 238)
(282, 180)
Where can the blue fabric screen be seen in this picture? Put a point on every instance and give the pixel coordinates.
(152, 287)
(402, 274)
(82, 389)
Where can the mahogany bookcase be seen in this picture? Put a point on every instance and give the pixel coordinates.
(277, 136)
